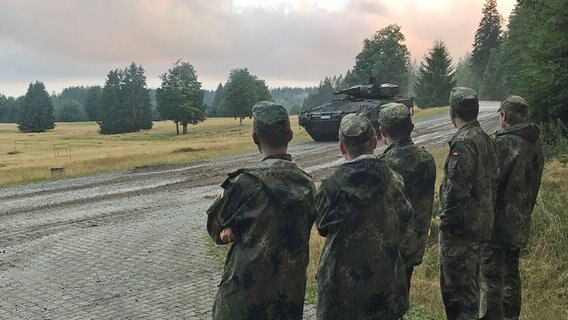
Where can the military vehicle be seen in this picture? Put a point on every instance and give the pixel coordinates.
(322, 122)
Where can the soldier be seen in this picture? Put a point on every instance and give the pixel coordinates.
(465, 217)
(361, 273)
(521, 161)
(267, 212)
(417, 167)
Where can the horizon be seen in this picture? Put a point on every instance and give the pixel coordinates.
(286, 43)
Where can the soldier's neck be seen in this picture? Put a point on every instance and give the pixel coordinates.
(459, 123)
(269, 151)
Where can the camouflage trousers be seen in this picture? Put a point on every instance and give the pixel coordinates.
(459, 276)
(500, 272)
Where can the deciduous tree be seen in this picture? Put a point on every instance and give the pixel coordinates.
(242, 91)
(384, 58)
(180, 97)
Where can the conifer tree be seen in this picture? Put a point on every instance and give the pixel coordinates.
(487, 37)
(435, 77)
(36, 110)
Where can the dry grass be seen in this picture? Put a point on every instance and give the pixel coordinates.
(27, 157)
(429, 112)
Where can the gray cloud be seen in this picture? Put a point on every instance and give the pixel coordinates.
(63, 40)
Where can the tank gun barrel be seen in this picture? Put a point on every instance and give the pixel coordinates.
(370, 91)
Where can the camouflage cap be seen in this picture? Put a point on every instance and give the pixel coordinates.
(355, 129)
(515, 104)
(270, 117)
(463, 98)
(394, 115)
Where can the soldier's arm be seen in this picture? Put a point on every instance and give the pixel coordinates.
(328, 217)
(457, 187)
(225, 210)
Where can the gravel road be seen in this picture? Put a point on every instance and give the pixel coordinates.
(133, 245)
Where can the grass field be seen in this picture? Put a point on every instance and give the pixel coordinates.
(28, 157)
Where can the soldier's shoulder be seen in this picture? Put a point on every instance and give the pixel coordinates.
(241, 177)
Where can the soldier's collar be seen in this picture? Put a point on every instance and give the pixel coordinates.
(285, 156)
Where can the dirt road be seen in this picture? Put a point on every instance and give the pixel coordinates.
(133, 245)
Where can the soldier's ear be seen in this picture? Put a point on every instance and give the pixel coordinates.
(342, 148)
(290, 135)
(255, 138)
(374, 142)
(383, 131)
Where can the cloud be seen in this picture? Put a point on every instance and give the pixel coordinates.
(63, 39)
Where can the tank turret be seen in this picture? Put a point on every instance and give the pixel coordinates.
(322, 122)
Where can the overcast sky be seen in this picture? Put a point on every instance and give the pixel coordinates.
(287, 43)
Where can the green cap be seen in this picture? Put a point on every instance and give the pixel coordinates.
(515, 104)
(270, 117)
(355, 129)
(463, 98)
(394, 115)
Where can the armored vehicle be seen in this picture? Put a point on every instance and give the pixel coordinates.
(322, 122)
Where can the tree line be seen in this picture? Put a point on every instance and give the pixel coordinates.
(528, 58)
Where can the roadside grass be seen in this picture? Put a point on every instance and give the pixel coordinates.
(544, 263)
(28, 157)
(420, 113)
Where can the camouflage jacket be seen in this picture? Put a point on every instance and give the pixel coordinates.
(271, 208)
(467, 190)
(361, 273)
(417, 167)
(521, 162)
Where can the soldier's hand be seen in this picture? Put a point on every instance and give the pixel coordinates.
(227, 235)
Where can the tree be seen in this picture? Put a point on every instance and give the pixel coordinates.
(464, 75)
(435, 77)
(71, 111)
(487, 37)
(492, 84)
(138, 109)
(125, 102)
(384, 58)
(180, 97)
(242, 91)
(214, 110)
(534, 58)
(324, 94)
(93, 102)
(36, 111)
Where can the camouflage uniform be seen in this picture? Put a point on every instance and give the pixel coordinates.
(417, 167)
(465, 217)
(271, 209)
(361, 273)
(521, 162)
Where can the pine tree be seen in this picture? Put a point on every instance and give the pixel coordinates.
(492, 84)
(125, 102)
(36, 111)
(324, 94)
(435, 77)
(92, 102)
(215, 111)
(487, 37)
